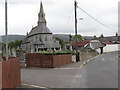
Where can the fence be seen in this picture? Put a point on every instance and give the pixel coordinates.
(47, 61)
(10, 73)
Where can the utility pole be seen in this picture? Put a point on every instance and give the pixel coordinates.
(76, 46)
(6, 30)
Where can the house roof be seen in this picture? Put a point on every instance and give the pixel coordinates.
(81, 43)
(109, 43)
(95, 44)
(112, 38)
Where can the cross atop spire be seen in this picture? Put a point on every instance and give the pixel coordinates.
(41, 15)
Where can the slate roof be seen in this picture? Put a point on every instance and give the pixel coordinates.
(25, 41)
(40, 29)
(95, 44)
(112, 38)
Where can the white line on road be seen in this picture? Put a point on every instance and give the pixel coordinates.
(89, 60)
(67, 68)
(35, 86)
(103, 59)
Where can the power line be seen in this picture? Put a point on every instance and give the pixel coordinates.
(95, 19)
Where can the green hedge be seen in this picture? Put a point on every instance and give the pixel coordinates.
(58, 53)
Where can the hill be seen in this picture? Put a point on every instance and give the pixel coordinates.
(12, 37)
(64, 37)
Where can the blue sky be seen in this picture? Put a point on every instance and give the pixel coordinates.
(23, 15)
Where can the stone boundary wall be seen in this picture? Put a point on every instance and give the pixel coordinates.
(47, 61)
(88, 55)
(85, 56)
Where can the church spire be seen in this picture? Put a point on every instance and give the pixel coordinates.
(41, 15)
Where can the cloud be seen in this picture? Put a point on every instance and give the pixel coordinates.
(22, 14)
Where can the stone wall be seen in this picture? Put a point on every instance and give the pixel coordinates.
(85, 56)
(88, 55)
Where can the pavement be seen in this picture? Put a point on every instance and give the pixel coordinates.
(78, 64)
(97, 72)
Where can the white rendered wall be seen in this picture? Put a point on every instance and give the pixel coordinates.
(110, 48)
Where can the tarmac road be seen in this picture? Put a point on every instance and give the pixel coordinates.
(102, 72)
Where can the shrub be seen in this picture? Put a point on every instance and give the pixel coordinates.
(57, 53)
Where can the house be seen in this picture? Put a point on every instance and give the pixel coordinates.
(80, 44)
(40, 37)
(113, 39)
(96, 44)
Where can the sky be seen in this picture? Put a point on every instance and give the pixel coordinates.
(23, 15)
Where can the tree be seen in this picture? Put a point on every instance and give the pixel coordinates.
(70, 37)
(11, 46)
(62, 43)
(0, 45)
(79, 38)
(14, 44)
(0, 48)
(3, 49)
(17, 44)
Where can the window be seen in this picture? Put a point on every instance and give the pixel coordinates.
(42, 15)
(46, 38)
(40, 38)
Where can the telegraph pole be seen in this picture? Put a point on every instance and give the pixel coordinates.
(76, 46)
(6, 30)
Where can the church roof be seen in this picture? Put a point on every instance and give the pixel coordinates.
(40, 29)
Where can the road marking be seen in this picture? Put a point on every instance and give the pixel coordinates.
(81, 66)
(78, 76)
(66, 68)
(89, 60)
(103, 59)
(35, 86)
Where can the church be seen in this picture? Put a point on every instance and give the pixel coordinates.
(40, 37)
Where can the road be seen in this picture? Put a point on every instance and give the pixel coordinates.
(102, 72)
